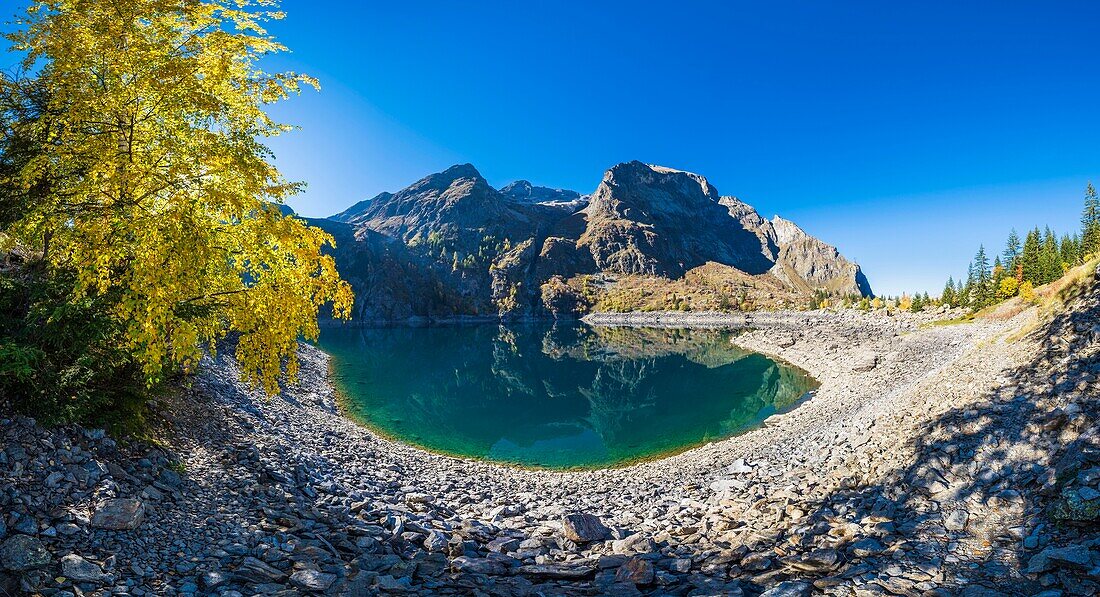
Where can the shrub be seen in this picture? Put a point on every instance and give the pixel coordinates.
(61, 359)
(1027, 291)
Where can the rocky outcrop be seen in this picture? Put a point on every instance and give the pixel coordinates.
(653, 220)
(523, 191)
(451, 245)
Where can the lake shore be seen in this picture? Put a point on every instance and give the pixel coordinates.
(844, 495)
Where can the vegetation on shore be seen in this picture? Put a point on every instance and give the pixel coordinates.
(139, 216)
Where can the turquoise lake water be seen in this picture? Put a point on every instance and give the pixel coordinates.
(553, 395)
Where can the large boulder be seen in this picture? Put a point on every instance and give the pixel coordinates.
(584, 528)
(122, 514)
(23, 552)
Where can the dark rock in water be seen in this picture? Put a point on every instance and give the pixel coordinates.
(78, 569)
(584, 528)
(312, 580)
(121, 514)
(637, 571)
(23, 552)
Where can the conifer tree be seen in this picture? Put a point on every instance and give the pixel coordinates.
(982, 292)
(947, 297)
(1012, 250)
(1049, 258)
(918, 303)
(1090, 222)
(1030, 262)
(1070, 250)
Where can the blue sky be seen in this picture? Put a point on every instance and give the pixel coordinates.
(904, 133)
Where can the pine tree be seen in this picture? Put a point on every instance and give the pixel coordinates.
(1071, 250)
(982, 292)
(999, 271)
(1090, 223)
(918, 303)
(1012, 250)
(1030, 265)
(1049, 259)
(948, 297)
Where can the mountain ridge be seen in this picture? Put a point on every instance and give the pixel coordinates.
(515, 251)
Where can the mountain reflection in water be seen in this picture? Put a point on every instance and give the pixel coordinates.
(554, 395)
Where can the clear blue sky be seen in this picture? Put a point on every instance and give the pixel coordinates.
(904, 133)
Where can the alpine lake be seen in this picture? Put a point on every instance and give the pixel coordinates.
(553, 395)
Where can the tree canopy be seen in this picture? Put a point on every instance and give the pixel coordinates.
(132, 157)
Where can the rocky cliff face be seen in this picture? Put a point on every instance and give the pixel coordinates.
(451, 244)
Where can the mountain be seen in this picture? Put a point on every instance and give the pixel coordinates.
(452, 245)
(522, 191)
(659, 221)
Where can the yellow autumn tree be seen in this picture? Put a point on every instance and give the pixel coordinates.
(141, 170)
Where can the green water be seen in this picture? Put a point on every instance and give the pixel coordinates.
(557, 396)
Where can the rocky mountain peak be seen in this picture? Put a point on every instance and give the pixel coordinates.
(786, 231)
(523, 191)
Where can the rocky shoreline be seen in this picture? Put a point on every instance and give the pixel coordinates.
(932, 460)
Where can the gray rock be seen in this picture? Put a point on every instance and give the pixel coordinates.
(584, 528)
(636, 571)
(255, 570)
(503, 545)
(866, 547)
(312, 580)
(75, 567)
(121, 514)
(1088, 494)
(1072, 556)
(213, 579)
(479, 566)
(790, 588)
(636, 543)
(23, 552)
(865, 362)
(957, 520)
(558, 571)
(818, 560)
(435, 542)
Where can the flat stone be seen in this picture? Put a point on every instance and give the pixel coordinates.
(637, 571)
(503, 544)
(637, 543)
(122, 514)
(1072, 556)
(790, 588)
(479, 566)
(75, 567)
(255, 570)
(584, 528)
(23, 552)
(818, 560)
(312, 580)
(558, 571)
(865, 363)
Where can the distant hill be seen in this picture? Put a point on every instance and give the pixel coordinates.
(452, 245)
